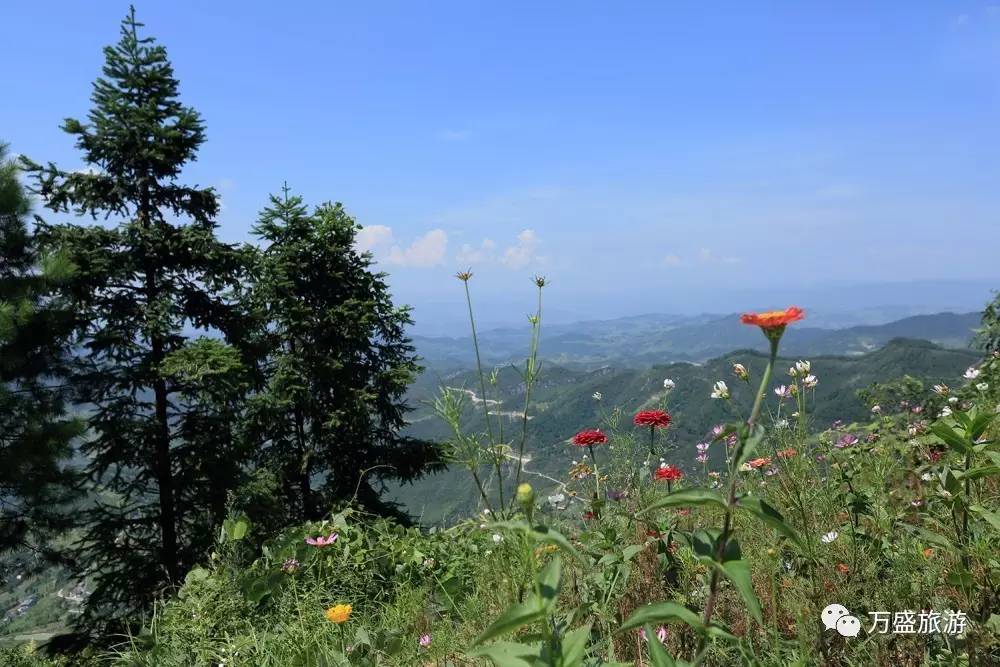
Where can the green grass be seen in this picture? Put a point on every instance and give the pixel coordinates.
(899, 546)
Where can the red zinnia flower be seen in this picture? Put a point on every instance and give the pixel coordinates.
(773, 319)
(588, 515)
(653, 418)
(668, 473)
(592, 437)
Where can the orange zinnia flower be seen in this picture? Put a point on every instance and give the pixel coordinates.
(773, 322)
(338, 613)
(759, 463)
(773, 319)
(787, 453)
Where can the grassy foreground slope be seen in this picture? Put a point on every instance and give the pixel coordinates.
(893, 515)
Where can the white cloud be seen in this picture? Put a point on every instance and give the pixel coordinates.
(524, 252)
(373, 236)
(469, 254)
(428, 250)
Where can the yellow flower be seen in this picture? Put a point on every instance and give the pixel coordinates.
(338, 613)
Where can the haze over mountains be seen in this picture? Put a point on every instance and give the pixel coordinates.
(655, 339)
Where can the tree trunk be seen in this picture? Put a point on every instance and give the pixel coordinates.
(162, 464)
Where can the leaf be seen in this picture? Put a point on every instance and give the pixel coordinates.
(948, 435)
(546, 535)
(663, 612)
(517, 616)
(992, 517)
(980, 422)
(658, 656)
(509, 654)
(748, 444)
(685, 498)
(960, 578)
(981, 471)
(738, 572)
(574, 646)
(628, 553)
(770, 516)
(931, 537)
(548, 581)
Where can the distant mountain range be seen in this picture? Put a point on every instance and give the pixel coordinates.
(563, 403)
(646, 340)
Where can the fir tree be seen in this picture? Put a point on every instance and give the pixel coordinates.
(140, 281)
(36, 433)
(336, 363)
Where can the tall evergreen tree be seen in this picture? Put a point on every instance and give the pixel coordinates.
(139, 283)
(336, 363)
(36, 432)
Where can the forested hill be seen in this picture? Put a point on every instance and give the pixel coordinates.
(564, 404)
(647, 340)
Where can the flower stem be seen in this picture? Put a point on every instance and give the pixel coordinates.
(482, 388)
(713, 593)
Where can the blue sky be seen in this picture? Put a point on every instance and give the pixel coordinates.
(659, 157)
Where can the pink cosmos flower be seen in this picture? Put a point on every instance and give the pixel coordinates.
(320, 541)
(661, 634)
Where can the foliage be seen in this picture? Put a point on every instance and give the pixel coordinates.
(333, 363)
(36, 430)
(137, 284)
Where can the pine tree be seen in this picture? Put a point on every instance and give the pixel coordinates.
(336, 363)
(36, 433)
(139, 283)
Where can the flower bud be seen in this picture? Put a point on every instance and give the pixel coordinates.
(525, 494)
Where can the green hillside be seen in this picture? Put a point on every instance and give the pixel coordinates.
(564, 404)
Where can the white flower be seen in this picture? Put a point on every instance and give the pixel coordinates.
(740, 371)
(810, 382)
(971, 373)
(497, 538)
(953, 399)
(983, 386)
(946, 411)
(876, 409)
(802, 367)
(829, 537)
(926, 477)
(782, 391)
(669, 384)
(556, 499)
(597, 396)
(781, 423)
(793, 371)
(720, 390)
(940, 389)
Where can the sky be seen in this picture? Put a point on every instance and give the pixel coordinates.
(671, 157)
